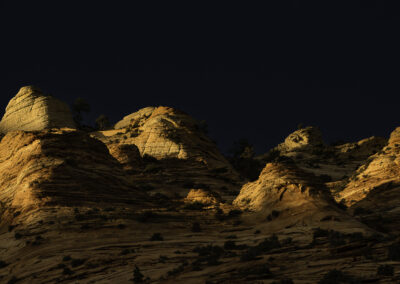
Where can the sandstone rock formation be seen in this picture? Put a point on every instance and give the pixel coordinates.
(306, 137)
(163, 132)
(335, 163)
(60, 167)
(176, 154)
(31, 110)
(380, 171)
(203, 196)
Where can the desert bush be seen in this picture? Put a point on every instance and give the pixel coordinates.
(209, 254)
(196, 205)
(127, 251)
(284, 281)
(361, 211)
(66, 258)
(3, 264)
(196, 227)
(145, 216)
(258, 271)
(17, 236)
(231, 237)
(336, 277)
(156, 237)
(274, 214)
(152, 168)
(138, 277)
(325, 178)
(228, 245)
(13, 280)
(265, 246)
(67, 271)
(385, 270)
(162, 258)
(77, 262)
(250, 254)
(235, 213)
(394, 252)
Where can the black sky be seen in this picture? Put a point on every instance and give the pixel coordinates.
(254, 72)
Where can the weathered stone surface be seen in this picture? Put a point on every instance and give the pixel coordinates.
(60, 166)
(376, 174)
(203, 196)
(177, 154)
(334, 163)
(279, 186)
(163, 132)
(305, 137)
(287, 196)
(31, 110)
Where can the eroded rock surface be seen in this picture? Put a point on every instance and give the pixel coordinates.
(60, 167)
(164, 132)
(31, 110)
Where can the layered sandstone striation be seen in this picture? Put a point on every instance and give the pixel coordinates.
(31, 110)
(164, 132)
(60, 167)
(335, 163)
(174, 153)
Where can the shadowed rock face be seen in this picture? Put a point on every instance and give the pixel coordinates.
(62, 167)
(380, 171)
(31, 110)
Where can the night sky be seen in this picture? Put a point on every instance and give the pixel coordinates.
(250, 72)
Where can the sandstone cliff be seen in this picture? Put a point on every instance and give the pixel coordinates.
(60, 167)
(31, 110)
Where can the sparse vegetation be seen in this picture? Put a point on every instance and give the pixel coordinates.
(394, 252)
(138, 277)
(102, 122)
(337, 277)
(3, 264)
(196, 205)
(265, 246)
(77, 262)
(13, 280)
(385, 270)
(209, 254)
(196, 227)
(67, 271)
(284, 281)
(156, 237)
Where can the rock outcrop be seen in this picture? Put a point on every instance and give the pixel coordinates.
(31, 110)
(203, 196)
(303, 138)
(380, 172)
(334, 163)
(286, 196)
(60, 167)
(164, 132)
(282, 187)
(175, 153)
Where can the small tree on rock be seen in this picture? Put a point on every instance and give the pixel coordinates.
(102, 122)
(137, 275)
(79, 106)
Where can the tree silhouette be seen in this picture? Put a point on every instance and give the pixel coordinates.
(79, 106)
(102, 122)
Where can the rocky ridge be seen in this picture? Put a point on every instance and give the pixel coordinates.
(156, 194)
